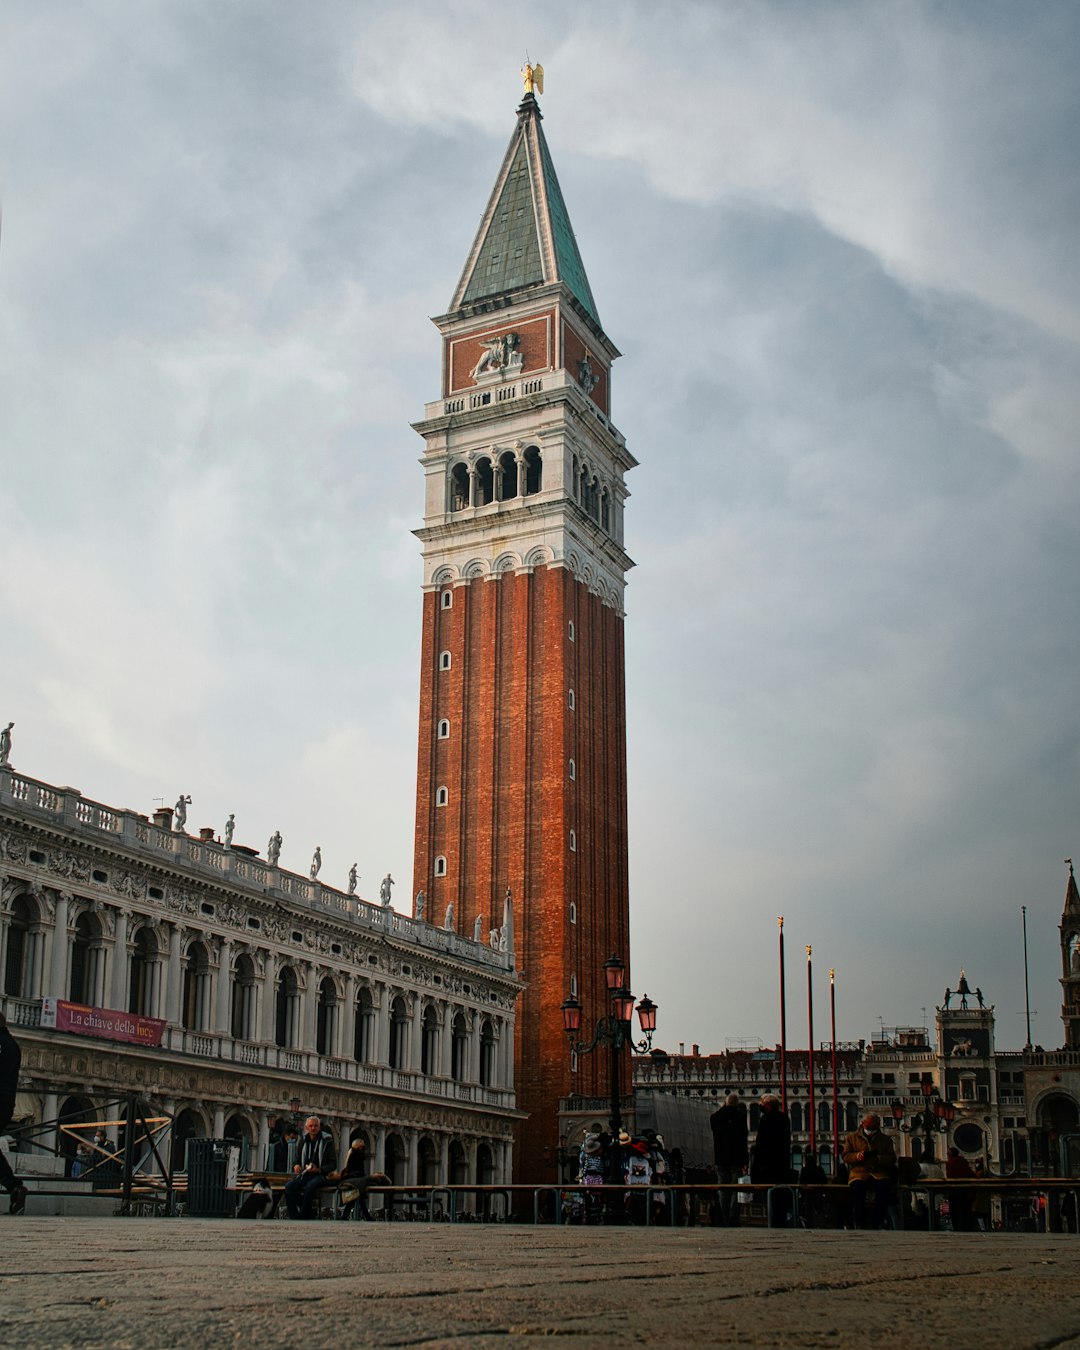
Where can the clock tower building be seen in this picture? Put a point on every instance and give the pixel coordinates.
(521, 775)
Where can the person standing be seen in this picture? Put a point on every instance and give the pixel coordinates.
(731, 1151)
(771, 1163)
(312, 1169)
(10, 1060)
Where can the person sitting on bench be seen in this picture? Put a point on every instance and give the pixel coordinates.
(315, 1161)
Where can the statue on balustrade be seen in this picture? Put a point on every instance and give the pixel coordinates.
(448, 922)
(316, 862)
(230, 827)
(384, 888)
(421, 901)
(354, 876)
(273, 849)
(180, 814)
(5, 745)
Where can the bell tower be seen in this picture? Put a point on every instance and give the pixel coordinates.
(521, 773)
(1070, 962)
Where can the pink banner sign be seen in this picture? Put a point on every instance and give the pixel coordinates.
(105, 1023)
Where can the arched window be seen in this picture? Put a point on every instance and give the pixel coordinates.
(459, 1049)
(575, 476)
(485, 1166)
(795, 1116)
(399, 1034)
(573, 771)
(571, 701)
(573, 841)
(195, 1013)
(429, 1042)
(440, 866)
(242, 1019)
(447, 599)
(87, 959)
(534, 471)
(851, 1115)
(605, 510)
(444, 660)
(364, 1028)
(485, 482)
(287, 1010)
(573, 912)
(442, 796)
(824, 1118)
(444, 729)
(508, 476)
(488, 1046)
(145, 975)
(17, 973)
(459, 489)
(326, 1018)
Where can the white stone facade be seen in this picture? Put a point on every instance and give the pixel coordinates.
(281, 996)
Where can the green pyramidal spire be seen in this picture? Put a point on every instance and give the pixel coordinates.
(525, 238)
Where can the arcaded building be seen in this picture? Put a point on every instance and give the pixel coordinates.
(229, 992)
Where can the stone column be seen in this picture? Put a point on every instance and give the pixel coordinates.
(217, 1129)
(120, 962)
(409, 1138)
(172, 981)
(344, 1044)
(60, 957)
(416, 1034)
(473, 1075)
(224, 991)
(50, 1108)
(269, 1001)
(382, 1026)
(309, 1002)
(446, 1043)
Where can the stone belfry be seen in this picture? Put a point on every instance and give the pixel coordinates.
(1070, 962)
(521, 777)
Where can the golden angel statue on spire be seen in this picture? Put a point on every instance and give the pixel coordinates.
(533, 77)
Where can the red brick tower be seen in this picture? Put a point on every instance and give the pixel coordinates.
(521, 778)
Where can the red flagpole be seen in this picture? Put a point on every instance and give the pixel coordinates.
(810, 1027)
(835, 1084)
(783, 1024)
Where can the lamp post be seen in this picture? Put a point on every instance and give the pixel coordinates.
(935, 1117)
(614, 1031)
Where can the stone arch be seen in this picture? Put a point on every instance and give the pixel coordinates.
(459, 1047)
(326, 1015)
(458, 1172)
(430, 1036)
(427, 1161)
(396, 1159)
(476, 568)
(507, 562)
(240, 1129)
(287, 990)
(364, 1025)
(23, 934)
(534, 470)
(195, 995)
(538, 556)
(87, 957)
(444, 576)
(398, 1013)
(190, 1122)
(243, 998)
(458, 483)
(489, 1046)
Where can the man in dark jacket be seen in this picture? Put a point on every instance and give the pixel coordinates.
(315, 1162)
(730, 1153)
(10, 1060)
(771, 1165)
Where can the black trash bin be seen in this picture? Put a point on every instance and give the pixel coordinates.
(208, 1170)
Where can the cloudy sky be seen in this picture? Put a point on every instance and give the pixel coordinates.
(836, 244)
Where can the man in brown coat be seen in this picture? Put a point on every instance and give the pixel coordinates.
(871, 1161)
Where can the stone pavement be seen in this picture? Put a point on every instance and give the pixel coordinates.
(147, 1283)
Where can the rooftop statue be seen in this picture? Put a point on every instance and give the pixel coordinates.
(384, 888)
(5, 743)
(316, 862)
(353, 878)
(533, 77)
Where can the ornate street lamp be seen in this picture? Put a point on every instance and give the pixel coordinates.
(935, 1117)
(614, 1031)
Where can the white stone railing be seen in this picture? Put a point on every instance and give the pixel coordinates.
(522, 388)
(219, 865)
